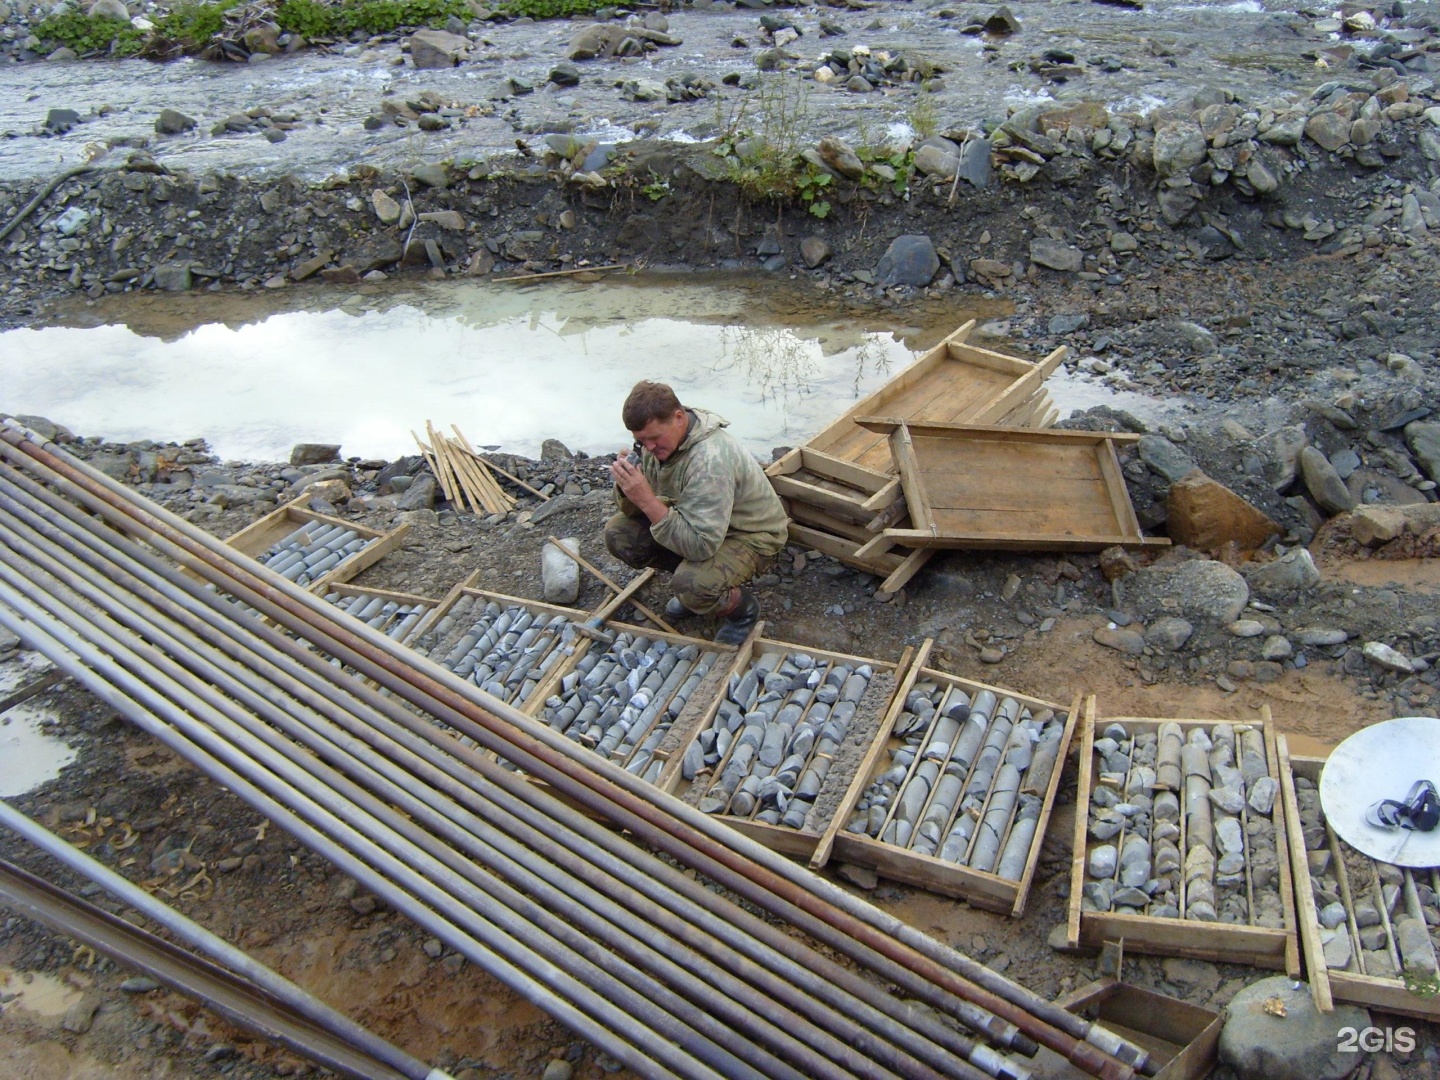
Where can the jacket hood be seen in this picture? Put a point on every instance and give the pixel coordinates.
(706, 424)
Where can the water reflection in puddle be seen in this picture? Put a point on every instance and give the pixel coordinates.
(509, 366)
(28, 755)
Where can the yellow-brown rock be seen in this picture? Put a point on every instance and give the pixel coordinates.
(1205, 514)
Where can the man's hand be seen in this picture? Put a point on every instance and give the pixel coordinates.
(633, 485)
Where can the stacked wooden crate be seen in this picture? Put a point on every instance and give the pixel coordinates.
(840, 487)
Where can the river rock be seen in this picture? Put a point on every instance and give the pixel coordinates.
(1324, 483)
(1001, 21)
(1282, 450)
(1205, 514)
(975, 167)
(560, 574)
(1382, 655)
(1056, 255)
(1200, 590)
(1178, 148)
(1417, 953)
(173, 277)
(1298, 1044)
(935, 160)
(435, 175)
(420, 495)
(1337, 948)
(838, 156)
(1372, 525)
(910, 260)
(1164, 458)
(1170, 633)
(438, 48)
(1292, 571)
(565, 74)
(314, 453)
(1129, 642)
(171, 121)
(386, 208)
(814, 250)
(1424, 442)
(1328, 129)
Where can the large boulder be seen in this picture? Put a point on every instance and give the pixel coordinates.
(1289, 573)
(1424, 442)
(1178, 147)
(1324, 483)
(1164, 458)
(1370, 525)
(1205, 514)
(910, 260)
(438, 48)
(1198, 590)
(1056, 255)
(560, 574)
(839, 157)
(1274, 1032)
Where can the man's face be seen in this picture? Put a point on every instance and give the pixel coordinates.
(663, 437)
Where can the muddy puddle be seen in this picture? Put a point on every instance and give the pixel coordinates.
(510, 366)
(29, 754)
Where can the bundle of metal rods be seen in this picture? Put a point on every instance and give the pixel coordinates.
(646, 962)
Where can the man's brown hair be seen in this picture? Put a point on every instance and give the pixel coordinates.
(648, 401)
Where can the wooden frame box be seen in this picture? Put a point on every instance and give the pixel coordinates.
(1218, 942)
(345, 592)
(531, 701)
(1328, 985)
(981, 888)
(1183, 1039)
(1004, 488)
(260, 535)
(798, 843)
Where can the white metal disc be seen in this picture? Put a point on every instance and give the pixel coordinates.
(1379, 762)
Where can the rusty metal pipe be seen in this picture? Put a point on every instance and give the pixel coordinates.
(866, 933)
(76, 527)
(469, 833)
(98, 669)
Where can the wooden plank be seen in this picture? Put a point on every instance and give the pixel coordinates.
(902, 450)
(1017, 392)
(1120, 503)
(346, 589)
(888, 496)
(980, 889)
(902, 574)
(1308, 923)
(1282, 851)
(1046, 806)
(1082, 823)
(884, 424)
(988, 358)
(806, 514)
(245, 539)
(888, 518)
(861, 779)
(842, 549)
(788, 463)
(1018, 541)
(445, 603)
(874, 547)
(844, 471)
(791, 488)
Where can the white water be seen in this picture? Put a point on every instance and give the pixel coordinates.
(510, 367)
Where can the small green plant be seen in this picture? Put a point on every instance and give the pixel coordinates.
(657, 188)
(763, 140)
(810, 185)
(192, 25)
(90, 33)
(1425, 986)
(552, 9)
(308, 18)
(924, 117)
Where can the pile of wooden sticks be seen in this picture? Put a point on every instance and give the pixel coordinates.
(465, 477)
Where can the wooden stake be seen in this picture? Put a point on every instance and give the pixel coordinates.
(448, 481)
(440, 478)
(485, 467)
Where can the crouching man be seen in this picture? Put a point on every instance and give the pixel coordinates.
(694, 502)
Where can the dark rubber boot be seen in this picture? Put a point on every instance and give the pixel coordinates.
(674, 609)
(737, 625)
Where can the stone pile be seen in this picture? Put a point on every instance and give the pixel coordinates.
(775, 736)
(967, 783)
(1374, 918)
(1183, 822)
(390, 617)
(504, 651)
(622, 700)
(860, 69)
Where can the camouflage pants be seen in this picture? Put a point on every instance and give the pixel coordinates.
(701, 586)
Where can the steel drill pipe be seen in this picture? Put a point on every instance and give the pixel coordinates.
(460, 830)
(219, 950)
(1004, 1032)
(956, 1043)
(479, 940)
(867, 931)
